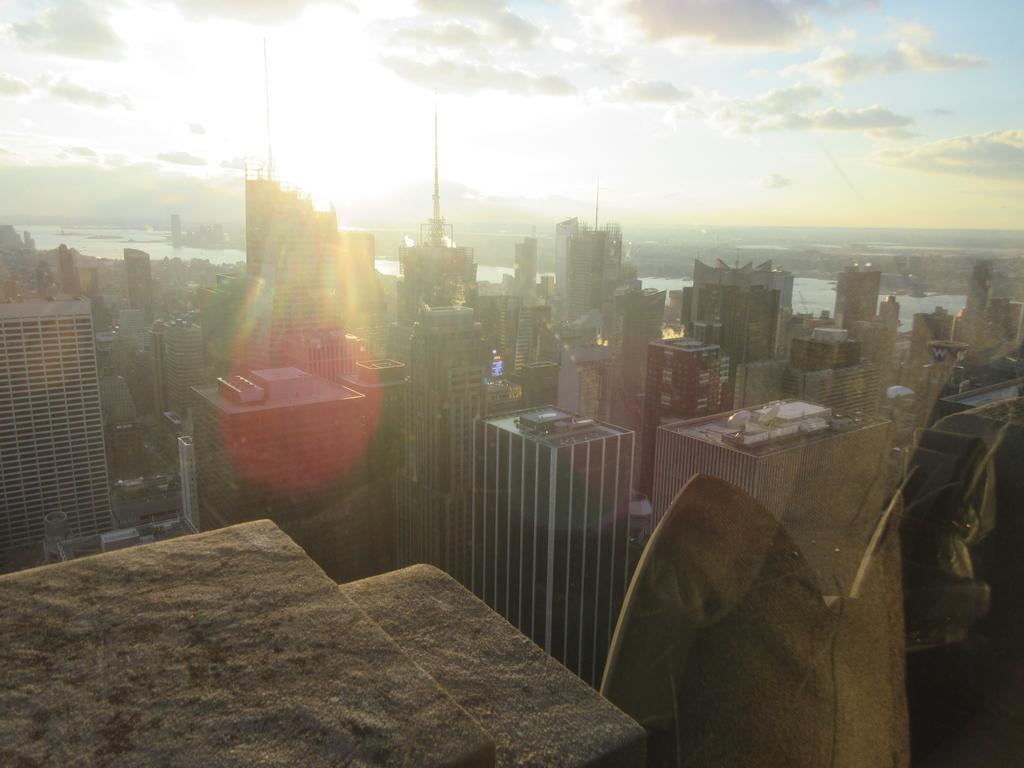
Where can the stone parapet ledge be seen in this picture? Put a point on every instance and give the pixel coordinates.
(538, 713)
(228, 648)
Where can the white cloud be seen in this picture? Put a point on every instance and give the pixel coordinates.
(993, 155)
(874, 120)
(759, 23)
(74, 28)
(79, 95)
(775, 181)
(648, 92)
(12, 86)
(504, 25)
(838, 66)
(786, 109)
(259, 12)
(180, 158)
(197, 129)
(450, 76)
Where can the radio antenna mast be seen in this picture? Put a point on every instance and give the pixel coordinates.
(266, 95)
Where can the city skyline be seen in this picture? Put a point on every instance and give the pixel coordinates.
(807, 116)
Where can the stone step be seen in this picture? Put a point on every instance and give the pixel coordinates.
(537, 711)
(221, 649)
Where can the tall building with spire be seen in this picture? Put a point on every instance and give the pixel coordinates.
(435, 271)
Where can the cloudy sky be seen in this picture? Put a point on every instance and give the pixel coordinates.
(689, 112)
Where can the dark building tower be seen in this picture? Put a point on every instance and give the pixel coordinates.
(564, 232)
(686, 379)
(285, 445)
(979, 290)
(176, 235)
(294, 268)
(990, 326)
(540, 384)
(889, 313)
(738, 308)
(534, 340)
(550, 530)
(746, 278)
(447, 392)
(435, 272)
(182, 366)
(526, 266)
(928, 327)
(498, 315)
(857, 295)
(636, 321)
(743, 322)
(139, 282)
(46, 287)
(827, 369)
(385, 387)
(70, 285)
(593, 263)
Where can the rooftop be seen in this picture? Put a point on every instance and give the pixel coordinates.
(122, 538)
(37, 307)
(378, 365)
(688, 345)
(270, 388)
(777, 426)
(555, 427)
(1007, 390)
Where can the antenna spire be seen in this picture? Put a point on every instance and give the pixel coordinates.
(436, 226)
(437, 193)
(266, 95)
(597, 202)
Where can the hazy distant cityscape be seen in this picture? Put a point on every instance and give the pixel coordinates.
(499, 383)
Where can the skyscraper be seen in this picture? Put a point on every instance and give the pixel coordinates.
(292, 260)
(593, 262)
(176, 235)
(283, 444)
(636, 321)
(70, 284)
(182, 365)
(550, 530)
(857, 295)
(189, 481)
(526, 266)
(564, 232)
(447, 393)
(827, 369)
(822, 477)
(764, 276)
(51, 424)
(384, 385)
(122, 430)
(583, 379)
(540, 384)
(686, 379)
(435, 271)
(534, 339)
(139, 282)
